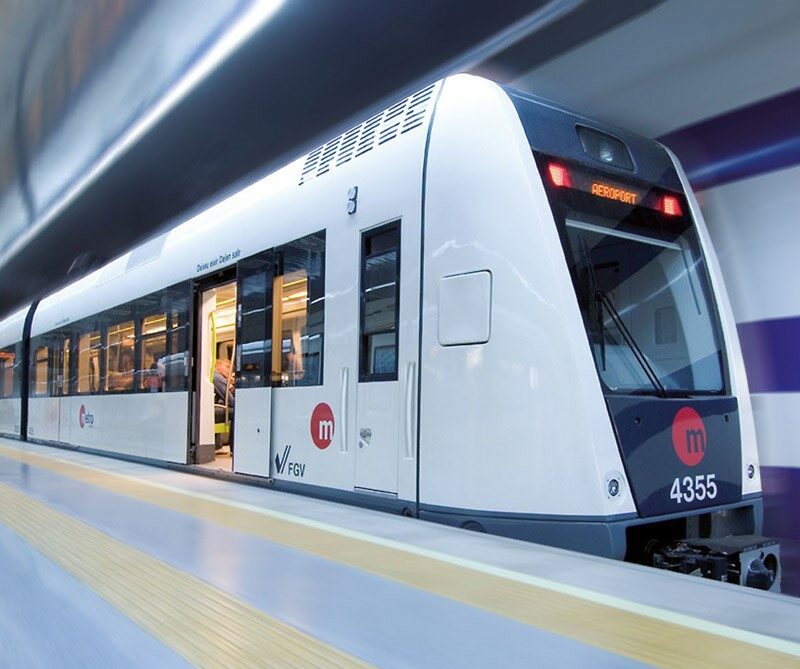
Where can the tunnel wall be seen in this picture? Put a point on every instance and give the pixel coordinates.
(745, 167)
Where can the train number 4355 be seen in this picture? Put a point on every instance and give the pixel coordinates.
(689, 489)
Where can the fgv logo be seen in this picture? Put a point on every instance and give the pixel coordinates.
(282, 464)
(85, 418)
(689, 436)
(322, 426)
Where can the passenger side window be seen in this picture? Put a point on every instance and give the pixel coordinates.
(298, 321)
(119, 357)
(152, 369)
(39, 380)
(89, 363)
(176, 363)
(380, 290)
(8, 358)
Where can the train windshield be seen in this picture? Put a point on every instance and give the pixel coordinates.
(641, 282)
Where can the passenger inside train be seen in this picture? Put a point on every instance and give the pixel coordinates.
(217, 384)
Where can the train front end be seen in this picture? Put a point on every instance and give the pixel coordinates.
(668, 363)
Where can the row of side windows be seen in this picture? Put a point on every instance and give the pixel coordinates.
(141, 346)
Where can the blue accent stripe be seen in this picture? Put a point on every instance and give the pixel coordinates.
(752, 140)
(771, 350)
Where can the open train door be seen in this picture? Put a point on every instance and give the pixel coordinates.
(252, 405)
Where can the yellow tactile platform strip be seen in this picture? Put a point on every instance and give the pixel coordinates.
(642, 633)
(205, 625)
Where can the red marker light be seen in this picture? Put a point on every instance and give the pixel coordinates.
(559, 175)
(671, 206)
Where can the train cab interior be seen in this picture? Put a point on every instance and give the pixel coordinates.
(216, 382)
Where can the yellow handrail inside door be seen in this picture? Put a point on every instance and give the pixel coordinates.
(212, 324)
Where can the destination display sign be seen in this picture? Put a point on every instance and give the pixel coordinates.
(576, 178)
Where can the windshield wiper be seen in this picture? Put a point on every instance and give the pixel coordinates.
(604, 301)
(587, 262)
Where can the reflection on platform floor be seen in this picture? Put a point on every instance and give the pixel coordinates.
(223, 461)
(209, 570)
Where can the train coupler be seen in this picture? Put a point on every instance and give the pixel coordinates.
(749, 560)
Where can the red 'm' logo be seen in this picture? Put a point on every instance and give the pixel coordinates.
(322, 425)
(689, 436)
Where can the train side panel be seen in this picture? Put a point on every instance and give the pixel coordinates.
(389, 183)
(516, 424)
(11, 366)
(10, 409)
(273, 212)
(148, 425)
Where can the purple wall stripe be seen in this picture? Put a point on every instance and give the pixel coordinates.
(781, 502)
(771, 351)
(761, 137)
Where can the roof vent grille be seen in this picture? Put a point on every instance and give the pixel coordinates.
(398, 119)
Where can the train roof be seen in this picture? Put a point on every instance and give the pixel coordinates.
(11, 327)
(548, 126)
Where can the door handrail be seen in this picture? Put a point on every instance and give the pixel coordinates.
(409, 413)
(345, 377)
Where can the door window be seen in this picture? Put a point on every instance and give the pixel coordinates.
(40, 358)
(298, 324)
(62, 372)
(253, 340)
(380, 289)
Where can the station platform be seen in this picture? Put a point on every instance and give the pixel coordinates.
(108, 562)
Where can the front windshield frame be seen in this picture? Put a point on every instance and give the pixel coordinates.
(574, 208)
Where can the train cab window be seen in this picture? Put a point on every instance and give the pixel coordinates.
(298, 293)
(89, 363)
(380, 288)
(119, 357)
(153, 353)
(8, 366)
(39, 380)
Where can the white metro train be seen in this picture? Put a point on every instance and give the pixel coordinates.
(475, 307)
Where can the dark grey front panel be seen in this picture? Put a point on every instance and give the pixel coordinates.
(553, 130)
(679, 454)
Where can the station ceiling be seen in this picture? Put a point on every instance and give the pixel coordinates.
(120, 117)
(680, 62)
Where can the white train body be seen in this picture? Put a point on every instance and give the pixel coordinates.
(11, 336)
(489, 410)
